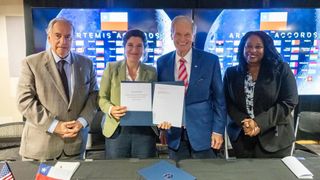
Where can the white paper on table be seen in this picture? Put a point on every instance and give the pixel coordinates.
(59, 173)
(70, 166)
(297, 167)
(168, 103)
(63, 170)
(136, 96)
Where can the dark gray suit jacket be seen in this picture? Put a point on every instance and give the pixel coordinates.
(274, 100)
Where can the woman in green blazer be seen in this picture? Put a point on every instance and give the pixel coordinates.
(126, 141)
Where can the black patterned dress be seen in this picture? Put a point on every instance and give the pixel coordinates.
(249, 85)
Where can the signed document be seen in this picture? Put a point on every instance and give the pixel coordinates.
(136, 96)
(168, 103)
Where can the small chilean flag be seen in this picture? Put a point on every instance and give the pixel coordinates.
(273, 20)
(114, 21)
(47, 172)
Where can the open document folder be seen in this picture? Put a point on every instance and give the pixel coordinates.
(164, 170)
(297, 167)
(137, 97)
(152, 103)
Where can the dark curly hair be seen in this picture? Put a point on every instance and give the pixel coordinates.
(271, 56)
(135, 33)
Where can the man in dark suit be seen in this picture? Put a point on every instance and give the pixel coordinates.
(205, 111)
(57, 93)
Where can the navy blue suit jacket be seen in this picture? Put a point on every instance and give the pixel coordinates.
(205, 109)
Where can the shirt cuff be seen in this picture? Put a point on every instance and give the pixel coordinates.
(83, 122)
(109, 112)
(216, 133)
(53, 125)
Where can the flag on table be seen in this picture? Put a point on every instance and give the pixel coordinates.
(6, 173)
(43, 173)
(46, 172)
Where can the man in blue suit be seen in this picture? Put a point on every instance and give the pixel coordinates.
(205, 111)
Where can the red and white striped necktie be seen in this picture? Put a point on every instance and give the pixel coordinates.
(182, 73)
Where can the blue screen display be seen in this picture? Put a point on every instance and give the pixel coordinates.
(99, 32)
(295, 33)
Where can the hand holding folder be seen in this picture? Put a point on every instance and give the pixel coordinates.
(152, 103)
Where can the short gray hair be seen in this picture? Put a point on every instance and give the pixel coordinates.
(185, 18)
(55, 20)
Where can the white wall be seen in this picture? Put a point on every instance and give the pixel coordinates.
(12, 51)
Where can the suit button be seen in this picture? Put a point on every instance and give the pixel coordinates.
(69, 110)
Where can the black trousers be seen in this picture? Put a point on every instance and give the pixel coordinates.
(250, 147)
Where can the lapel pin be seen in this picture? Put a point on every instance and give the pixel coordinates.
(195, 66)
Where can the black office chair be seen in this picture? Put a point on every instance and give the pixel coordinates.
(10, 138)
(95, 139)
(307, 132)
(10, 134)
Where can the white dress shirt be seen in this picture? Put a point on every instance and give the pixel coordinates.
(188, 58)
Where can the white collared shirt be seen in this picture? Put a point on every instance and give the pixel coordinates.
(128, 77)
(188, 58)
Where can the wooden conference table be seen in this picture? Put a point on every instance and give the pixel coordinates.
(202, 169)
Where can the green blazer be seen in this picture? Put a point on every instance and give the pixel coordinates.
(109, 94)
